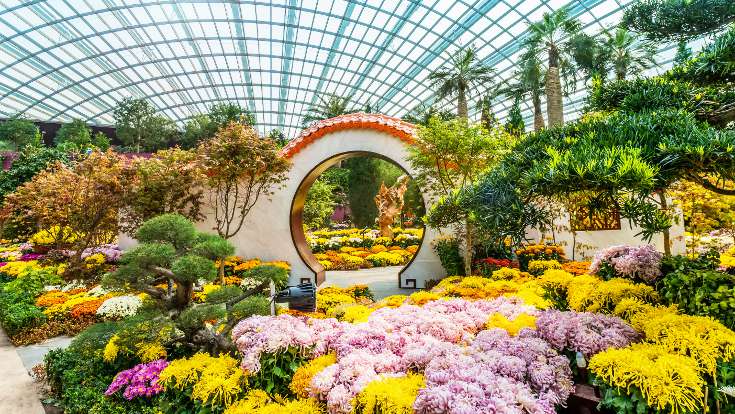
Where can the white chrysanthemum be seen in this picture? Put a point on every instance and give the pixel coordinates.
(119, 307)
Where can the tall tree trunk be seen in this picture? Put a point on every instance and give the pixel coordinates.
(554, 105)
(462, 111)
(468, 248)
(538, 116)
(667, 235)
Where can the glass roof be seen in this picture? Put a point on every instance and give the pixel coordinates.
(63, 59)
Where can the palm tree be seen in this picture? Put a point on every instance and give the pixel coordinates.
(529, 80)
(423, 113)
(591, 56)
(552, 36)
(463, 73)
(327, 108)
(627, 52)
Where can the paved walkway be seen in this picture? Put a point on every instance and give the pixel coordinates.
(18, 393)
(32, 355)
(383, 281)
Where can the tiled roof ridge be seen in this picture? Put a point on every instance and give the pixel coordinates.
(397, 127)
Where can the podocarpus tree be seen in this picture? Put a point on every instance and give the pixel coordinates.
(170, 181)
(449, 157)
(170, 249)
(241, 168)
(678, 19)
(82, 200)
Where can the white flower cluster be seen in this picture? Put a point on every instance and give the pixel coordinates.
(119, 307)
(249, 283)
(98, 291)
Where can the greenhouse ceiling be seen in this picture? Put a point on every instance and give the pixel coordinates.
(63, 59)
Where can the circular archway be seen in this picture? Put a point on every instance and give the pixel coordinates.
(268, 231)
(297, 211)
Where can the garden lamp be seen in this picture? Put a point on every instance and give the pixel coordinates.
(301, 297)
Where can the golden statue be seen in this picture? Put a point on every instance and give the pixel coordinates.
(390, 203)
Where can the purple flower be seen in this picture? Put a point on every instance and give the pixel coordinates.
(643, 262)
(588, 333)
(30, 256)
(139, 381)
(3, 264)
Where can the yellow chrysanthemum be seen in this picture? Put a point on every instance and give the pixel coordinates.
(393, 395)
(301, 380)
(669, 382)
(513, 327)
(150, 352)
(422, 297)
(214, 381)
(111, 349)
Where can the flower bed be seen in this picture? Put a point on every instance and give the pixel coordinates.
(352, 249)
(510, 342)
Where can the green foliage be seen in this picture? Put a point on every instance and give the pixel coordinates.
(319, 205)
(263, 273)
(190, 268)
(715, 64)
(448, 251)
(329, 106)
(697, 289)
(224, 294)
(140, 128)
(622, 401)
(91, 342)
(212, 246)
(464, 72)
(170, 249)
(203, 126)
(253, 305)
(365, 176)
(515, 124)
(193, 318)
(276, 371)
(423, 113)
(75, 134)
(31, 160)
(174, 229)
(678, 19)
(18, 133)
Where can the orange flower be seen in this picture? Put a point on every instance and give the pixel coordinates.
(86, 308)
(53, 297)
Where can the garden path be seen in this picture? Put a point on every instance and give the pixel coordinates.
(18, 393)
(383, 281)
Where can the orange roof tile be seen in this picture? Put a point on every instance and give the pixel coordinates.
(394, 126)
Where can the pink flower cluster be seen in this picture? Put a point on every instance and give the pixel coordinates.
(497, 374)
(396, 340)
(139, 381)
(588, 333)
(643, 262)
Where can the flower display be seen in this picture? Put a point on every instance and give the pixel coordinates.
(215, 381)
(576, 268)
(119, 307)
(139, 381)
(633, 262)
(588, 333)
(259, 402)
(538, 267)
(667, 381)
(301, 381)
(514, 326)
(390, 395)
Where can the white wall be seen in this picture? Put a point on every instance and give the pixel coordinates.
(266, 233)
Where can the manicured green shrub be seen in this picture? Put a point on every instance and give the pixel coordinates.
(254, 305)
(451, 260)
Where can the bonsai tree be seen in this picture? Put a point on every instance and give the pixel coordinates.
(170, 249)
(241, 168)
(172, 253)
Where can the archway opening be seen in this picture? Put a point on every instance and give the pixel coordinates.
(356, 219)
